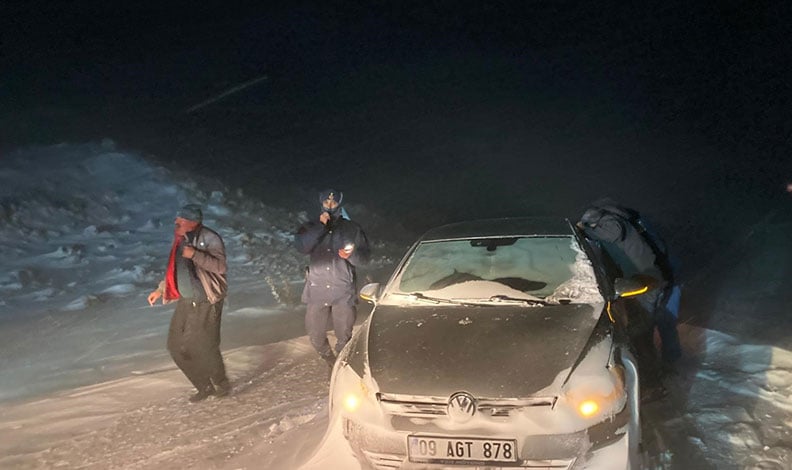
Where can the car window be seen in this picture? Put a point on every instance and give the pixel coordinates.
(531, 267)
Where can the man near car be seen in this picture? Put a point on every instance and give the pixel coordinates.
(195, 279)
(336, 246)
(640, 257)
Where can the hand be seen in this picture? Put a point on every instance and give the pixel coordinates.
(154, 296)
(344, 253)
(188, 252)
(324, 217)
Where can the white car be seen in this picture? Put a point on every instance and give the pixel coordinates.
(495, 344)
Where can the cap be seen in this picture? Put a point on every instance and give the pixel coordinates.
(190, 212)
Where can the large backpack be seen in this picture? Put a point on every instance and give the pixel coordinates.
(647, 233)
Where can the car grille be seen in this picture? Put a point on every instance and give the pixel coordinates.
(436, 407)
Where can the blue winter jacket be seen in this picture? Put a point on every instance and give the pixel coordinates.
(331, 280)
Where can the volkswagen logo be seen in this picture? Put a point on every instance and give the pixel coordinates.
(461, 407)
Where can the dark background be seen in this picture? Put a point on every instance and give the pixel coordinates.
(432, 111)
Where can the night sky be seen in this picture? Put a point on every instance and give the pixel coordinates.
(426, 111)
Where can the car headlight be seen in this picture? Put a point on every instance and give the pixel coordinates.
(355, 396)
(588, 408)
(599, 396)
(595, 389)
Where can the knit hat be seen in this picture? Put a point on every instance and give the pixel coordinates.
(190, 212)
(331, 194)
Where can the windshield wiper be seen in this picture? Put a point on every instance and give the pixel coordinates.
(426, 298)
(508, 299)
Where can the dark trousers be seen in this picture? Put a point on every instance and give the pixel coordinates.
(317, 318)
(666, 324)
(194, 342)
(640, 330)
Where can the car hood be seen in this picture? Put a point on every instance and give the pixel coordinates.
(493, 352)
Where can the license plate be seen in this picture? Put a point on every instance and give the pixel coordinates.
(445, 450)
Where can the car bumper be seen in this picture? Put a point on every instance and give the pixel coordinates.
(602, 446)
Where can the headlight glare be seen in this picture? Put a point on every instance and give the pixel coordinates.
(595, 396)
(353, 399)
(351, 402)
(354, 395)
(588, 408)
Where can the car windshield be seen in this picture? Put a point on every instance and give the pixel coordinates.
(553, 269)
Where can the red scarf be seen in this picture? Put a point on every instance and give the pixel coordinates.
(171, 290)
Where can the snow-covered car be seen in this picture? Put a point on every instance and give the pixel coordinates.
(494, 344)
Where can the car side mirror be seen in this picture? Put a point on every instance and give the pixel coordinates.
(370, 292)
(629, 287)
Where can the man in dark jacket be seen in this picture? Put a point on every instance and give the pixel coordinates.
(196, 279)
(641, 255)
(336, 245)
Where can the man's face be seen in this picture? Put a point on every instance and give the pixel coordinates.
(183, 226)
(329, 205)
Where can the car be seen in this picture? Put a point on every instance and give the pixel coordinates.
(494, 344)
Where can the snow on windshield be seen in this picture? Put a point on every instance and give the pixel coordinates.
(545, 267)
(582, 285)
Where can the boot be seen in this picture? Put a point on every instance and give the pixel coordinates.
(222, 389)
(202, 394)
(330, 359)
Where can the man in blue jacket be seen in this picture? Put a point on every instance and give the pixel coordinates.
(336, 245)
(640, 253)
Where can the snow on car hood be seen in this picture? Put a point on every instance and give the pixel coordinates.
(493, 352)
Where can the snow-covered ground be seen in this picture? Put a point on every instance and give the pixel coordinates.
(85, 381)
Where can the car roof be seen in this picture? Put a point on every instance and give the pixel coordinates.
(510, 226)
